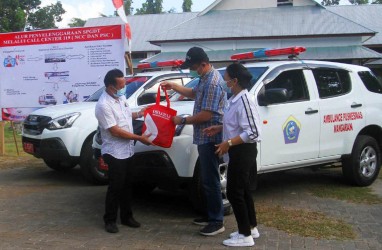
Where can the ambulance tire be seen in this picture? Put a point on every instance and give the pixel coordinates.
(89, 165)
(362, 167)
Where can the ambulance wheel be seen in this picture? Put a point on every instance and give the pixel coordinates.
(362, 167)
(89, 165)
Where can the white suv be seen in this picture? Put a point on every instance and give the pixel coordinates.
(62, 135)
(312, 113)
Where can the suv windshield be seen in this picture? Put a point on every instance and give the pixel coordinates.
(256, 72)
(178, 97)
(132, 84)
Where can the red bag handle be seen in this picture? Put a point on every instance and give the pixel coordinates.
(165, 93)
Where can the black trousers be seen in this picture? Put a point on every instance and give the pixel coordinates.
(241, 168)
(119, 191)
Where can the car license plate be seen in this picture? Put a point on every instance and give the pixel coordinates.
(28, 147)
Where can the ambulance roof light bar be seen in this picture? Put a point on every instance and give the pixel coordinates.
(171, 63)
(261, 53)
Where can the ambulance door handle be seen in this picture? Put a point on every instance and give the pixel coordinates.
(311, 111)
(356, 105)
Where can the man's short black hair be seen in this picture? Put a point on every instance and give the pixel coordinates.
(111, 76)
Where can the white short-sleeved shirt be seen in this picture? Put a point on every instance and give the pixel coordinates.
(241, 118)
(111, 112)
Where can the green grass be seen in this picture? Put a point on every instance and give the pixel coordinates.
(10, 144)
(359, 195)
(304, 223)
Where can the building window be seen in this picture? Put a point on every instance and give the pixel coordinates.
(139, 55)
(284, 2)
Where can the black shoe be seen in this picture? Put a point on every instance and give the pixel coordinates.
(212, 229)
(131, 222)
(111, 227)
(201, 221)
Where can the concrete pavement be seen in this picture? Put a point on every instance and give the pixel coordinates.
(44, 209)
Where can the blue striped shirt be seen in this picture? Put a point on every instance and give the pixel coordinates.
(209, 96)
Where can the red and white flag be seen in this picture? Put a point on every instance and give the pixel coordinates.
(118, 4)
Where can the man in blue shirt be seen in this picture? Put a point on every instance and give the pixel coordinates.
(210, 100)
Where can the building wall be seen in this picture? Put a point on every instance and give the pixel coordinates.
(303, 2)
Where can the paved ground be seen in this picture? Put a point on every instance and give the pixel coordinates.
(43, 209)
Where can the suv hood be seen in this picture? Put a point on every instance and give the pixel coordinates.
(63, 109)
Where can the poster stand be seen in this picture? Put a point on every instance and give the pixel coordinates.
(14, 137)
(2, 138)
(129, 62)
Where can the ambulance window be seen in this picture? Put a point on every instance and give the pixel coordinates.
(370, 81)
(149, 94)
(332, 82)
(294, 83)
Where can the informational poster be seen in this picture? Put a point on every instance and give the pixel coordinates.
(52, 67)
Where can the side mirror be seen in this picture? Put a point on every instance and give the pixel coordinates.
(271, 96)
(146, 98)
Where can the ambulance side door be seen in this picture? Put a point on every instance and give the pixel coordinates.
(290, 124)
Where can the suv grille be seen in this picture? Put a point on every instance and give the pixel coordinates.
(35, 124)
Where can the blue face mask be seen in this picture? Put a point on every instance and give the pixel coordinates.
(120, 92)
(226, 88)
(194, 73)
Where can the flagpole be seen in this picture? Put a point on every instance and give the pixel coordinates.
(118, 4)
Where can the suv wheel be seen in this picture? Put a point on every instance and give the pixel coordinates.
(60, 165)
(196, 190)
(89, 165)
(364, 163)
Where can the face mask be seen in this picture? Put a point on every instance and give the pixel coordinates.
(227, 88)
(194, 73)
(120, 92)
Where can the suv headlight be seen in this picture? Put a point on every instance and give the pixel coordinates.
(64, 121)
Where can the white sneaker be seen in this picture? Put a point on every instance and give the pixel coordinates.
(254, 232)
(239, 240)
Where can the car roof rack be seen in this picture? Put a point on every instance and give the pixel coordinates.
(174, 64)
(291, 52)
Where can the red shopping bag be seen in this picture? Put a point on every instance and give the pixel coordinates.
(158, 122)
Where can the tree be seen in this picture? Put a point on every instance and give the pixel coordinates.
(29, 5)
(77, 22)
(330, 2)
(357, 2)
(15, 15)
(158, 6)
(172, 10)
(46, 17)
(377, 2)
(151, 7)
(12, 16)
(127, 6)
(186, 6)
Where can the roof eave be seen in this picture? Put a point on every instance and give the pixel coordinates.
(158, 42)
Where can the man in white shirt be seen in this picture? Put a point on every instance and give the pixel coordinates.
(115, 122)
